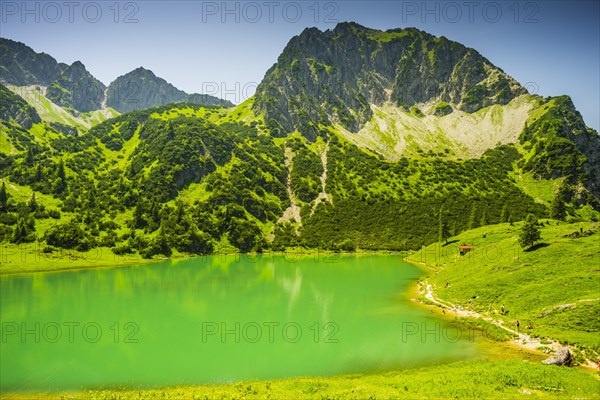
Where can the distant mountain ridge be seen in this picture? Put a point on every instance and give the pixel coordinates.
(74, 87)
(141, 88)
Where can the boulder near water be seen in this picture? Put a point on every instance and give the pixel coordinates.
(562, 356)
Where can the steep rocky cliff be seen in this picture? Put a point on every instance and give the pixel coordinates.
(562, 145)
(14, 109)
(21, 66)
(334, 77)
(76, 88)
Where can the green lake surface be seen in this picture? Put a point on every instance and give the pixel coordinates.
(217, 319)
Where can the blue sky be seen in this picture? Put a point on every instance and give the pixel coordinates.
(225, 48)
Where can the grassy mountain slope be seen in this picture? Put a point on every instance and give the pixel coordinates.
(55, 114)
(174, 174)
(553, 288)
(395, 132)
(180, 172)
(15, 110)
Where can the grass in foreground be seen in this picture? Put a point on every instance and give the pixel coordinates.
(480, 379)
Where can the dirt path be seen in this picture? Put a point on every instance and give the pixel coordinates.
(521, 340)
(323, 196)
(293, 211)
(104, 99)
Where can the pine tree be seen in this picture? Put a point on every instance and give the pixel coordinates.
(558, 209)
(138, 220)
(530, 233)
(153, 215)
(3, 196)
(510, 219)
(473, 218)
(21, 232)
(161, 242)
(30, 225)
(443, 231)
(29, 156)
(39, 174)
(179, 210)
(504, 214)
(196, 241)
(484, 220)
(92, 197)
(60, 173)
(60, 184)
(32, 205)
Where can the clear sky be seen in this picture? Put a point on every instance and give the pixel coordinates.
(225, 48)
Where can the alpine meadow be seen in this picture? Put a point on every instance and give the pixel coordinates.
(380, 189)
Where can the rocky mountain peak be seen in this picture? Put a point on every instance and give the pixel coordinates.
(141, 71)
(141, 88)
(21, 66)
(77, 88)
(334, 76)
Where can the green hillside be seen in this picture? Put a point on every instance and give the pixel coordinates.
(188, 179)
(267, 175)
(553, 289)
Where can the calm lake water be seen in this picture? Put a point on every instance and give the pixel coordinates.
(217, 319)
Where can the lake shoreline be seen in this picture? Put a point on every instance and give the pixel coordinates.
(523, 341)
(498, 358)
(143, 262)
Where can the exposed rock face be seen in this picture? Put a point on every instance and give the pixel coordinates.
(13, 107)
(72, 86)
(442, 109)
(561, 357)
(334, 76)
(68, 86)
(141, 89)
(21, 66)
(564, 145)
(76, 88)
